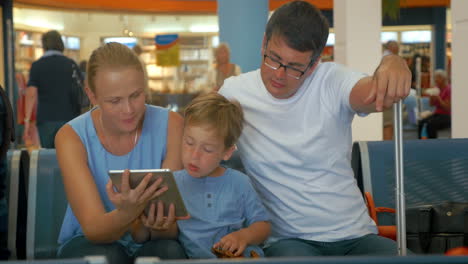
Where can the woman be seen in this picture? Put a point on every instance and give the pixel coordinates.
(223, 69)
(120, 132)
(441, 118)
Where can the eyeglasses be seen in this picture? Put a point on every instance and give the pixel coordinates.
(290, 71)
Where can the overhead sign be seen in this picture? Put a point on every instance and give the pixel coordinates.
(167, 50)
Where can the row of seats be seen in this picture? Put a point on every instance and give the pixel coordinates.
(297, 260)
(435, 170)
(319, 260)
(85, 260)
(36, 204)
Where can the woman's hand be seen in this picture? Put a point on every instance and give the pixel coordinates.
(233, 242)
(135, 200)
(156, 219)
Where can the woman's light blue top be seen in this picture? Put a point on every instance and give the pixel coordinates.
(148, 153)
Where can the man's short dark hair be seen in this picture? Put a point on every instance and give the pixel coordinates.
(52, 40)
(302, 26)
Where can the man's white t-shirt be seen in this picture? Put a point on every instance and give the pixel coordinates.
(297, 152)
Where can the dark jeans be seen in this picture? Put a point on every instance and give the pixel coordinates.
(116, 253)
(434, 122)
(47, 131)
(367, 245)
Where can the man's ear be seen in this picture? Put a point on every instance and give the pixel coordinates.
(91, 95)
(228, 153)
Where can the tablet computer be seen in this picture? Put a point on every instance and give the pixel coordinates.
(172, 195)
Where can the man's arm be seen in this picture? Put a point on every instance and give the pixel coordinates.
(30, 103)
(390, 83)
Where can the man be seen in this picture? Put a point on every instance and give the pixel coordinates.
(55, 87)
(296, 142)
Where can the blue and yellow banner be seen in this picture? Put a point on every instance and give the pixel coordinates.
(167, 50)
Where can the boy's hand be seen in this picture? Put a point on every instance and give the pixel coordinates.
(156, 219)
(233, 242)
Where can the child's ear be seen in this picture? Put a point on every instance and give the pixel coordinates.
(228, 152)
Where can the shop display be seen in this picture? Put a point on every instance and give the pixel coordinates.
(190, 76)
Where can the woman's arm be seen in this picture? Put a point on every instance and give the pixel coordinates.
(98, 225)
(175, 128)
(438, 101)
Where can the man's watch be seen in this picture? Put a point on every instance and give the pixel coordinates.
(26, 120)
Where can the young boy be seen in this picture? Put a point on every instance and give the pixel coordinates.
(225, 210)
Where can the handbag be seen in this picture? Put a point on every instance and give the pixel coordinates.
(436, 228)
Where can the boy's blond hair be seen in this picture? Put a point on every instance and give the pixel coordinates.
(214, 110)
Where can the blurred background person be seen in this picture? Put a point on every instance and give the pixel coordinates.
(223, 68)
(53, 86)
(83, 65)
(441, 117)
(138, 50)
(391, 47)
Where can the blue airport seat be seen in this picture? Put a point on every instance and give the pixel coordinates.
(12, 183)
(434, 259)
(46, 205)
(435, 170)
(85, 260)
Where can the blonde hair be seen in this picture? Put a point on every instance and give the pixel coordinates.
(223, 115)
(112, 55)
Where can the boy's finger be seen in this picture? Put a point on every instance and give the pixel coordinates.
(171, 214)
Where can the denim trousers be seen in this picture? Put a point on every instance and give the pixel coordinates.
(370, 244)
(116, 253)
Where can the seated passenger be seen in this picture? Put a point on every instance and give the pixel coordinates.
(225, 210)
(441, 117)
(120, 132)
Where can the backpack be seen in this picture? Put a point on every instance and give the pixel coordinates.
(80, 100)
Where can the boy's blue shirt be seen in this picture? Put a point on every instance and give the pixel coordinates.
(217, 206)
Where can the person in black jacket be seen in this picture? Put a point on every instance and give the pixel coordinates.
(55, 85)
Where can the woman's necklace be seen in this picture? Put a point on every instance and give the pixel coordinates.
(104, 136)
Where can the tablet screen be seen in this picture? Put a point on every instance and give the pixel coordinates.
(172, 195)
